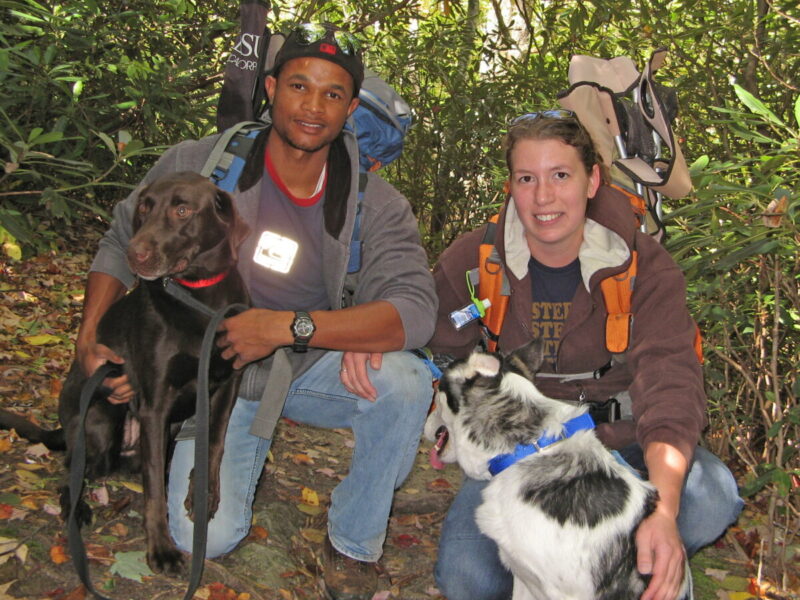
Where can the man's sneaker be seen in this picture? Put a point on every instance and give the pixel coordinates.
(347, 578)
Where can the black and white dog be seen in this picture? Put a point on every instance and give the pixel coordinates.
(561, 509)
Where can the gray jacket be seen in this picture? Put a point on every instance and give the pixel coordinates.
(394, 267)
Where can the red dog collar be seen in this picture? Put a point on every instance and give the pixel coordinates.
(201, 283)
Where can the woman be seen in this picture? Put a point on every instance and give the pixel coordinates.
(561, 232)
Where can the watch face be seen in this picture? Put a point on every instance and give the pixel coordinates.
(303, 327)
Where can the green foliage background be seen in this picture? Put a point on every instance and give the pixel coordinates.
(93, 92)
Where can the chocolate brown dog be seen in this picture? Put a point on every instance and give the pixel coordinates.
(187, 229)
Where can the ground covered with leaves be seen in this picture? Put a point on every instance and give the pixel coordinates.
(40, 305)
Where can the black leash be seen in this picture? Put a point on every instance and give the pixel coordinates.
(76, 471)
(200, 497)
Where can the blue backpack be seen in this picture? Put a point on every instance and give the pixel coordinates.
(380, 122)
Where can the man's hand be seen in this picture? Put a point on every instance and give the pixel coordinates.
(254, 334)
(92, 356)
(355, 375)
(660, 552)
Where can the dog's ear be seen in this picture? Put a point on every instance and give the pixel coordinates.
(237, 228)
(487, 365)
(527, 359)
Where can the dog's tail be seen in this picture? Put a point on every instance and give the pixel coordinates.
(53, 439)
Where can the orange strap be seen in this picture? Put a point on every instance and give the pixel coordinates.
(638, 203)
(490, 284)
(617, 292)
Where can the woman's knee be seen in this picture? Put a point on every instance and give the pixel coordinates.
(710, 501)
(461, 575)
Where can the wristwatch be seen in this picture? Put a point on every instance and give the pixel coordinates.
(302, 329)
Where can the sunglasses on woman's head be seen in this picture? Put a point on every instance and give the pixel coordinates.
(311, 33)
(556, 113)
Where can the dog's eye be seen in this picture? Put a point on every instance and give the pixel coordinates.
(183, 211)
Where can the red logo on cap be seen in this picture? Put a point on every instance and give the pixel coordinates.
(327, 48)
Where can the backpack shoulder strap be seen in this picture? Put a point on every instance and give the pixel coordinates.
(226, 161)
(617, 291)
(354, 263)
(492, 284)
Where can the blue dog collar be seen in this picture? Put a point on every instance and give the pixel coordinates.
(571, 427)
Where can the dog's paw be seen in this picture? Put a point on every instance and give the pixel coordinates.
(83, 513)
(213, 501)
(167, 560)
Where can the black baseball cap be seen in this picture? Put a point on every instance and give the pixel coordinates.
(323, 40)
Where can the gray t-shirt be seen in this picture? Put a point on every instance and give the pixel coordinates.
(287, 274)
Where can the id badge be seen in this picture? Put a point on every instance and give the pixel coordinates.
(275, 252)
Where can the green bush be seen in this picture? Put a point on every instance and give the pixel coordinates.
(91, 91)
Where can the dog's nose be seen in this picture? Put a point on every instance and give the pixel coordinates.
(141, 255)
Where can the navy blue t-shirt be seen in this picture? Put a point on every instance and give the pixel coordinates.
(553, 289)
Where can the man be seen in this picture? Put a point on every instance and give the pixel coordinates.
(334, 339)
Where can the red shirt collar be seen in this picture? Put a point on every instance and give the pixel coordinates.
(282, 186)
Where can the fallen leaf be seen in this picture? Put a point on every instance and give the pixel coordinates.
(315, 536)
(439, 484)
(10, 547)
(5, 445)
(312, 511)
(132, 486)
(302, 459)
(6, 511)
(4, 589)
(78, 593)
(258, 532)
(100, 495)
(327, 471)
(99, 553)
(131, 565)
(30, 466)
(309, 497)
(37, 451)
(119, 529)
(285, 594)
(42, 339)
(29, 479)
(718, 574)
(58, 555)
(406, 540)
(51, 509)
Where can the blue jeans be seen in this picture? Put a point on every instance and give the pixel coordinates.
(387, 433)
(469, 568)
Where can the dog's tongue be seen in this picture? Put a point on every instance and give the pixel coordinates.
(433, 455)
